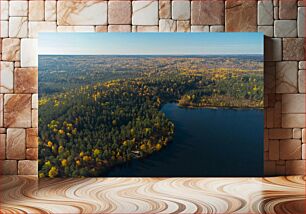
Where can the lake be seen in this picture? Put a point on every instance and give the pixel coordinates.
(207, 142)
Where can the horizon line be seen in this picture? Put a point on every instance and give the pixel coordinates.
(53, 54)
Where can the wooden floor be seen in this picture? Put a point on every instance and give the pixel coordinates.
(140, 195)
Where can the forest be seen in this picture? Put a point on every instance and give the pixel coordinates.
(99, 111)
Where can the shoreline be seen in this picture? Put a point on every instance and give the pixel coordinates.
(217, 107)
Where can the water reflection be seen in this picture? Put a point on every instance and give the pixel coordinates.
(207, 142)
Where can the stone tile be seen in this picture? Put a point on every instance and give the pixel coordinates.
(301, 81)
(266, 155)
(75, 12)
(303, 151)
(293, 121)
(4, 9)
(277, 97)
(36, 10)
(167, 25)
(2, 130)
(101, 28)
(302, 65)
(200, 28)
(147, 28)
(280, 133)
(285, 28)
(266, 140)
(293, 49)
(267, 30)
(35, 27)
(6, 77)
(1, 111)
(18, 8)
(27, 167)
(29, 53)
(269, 168)
(277, 119)
(207, 12)
(134, 28)
(287, 9)
(275, 3)
(273, 49)
(270, 117)
(119, 28)
(50, 10)
(293, 103)
(18, 27)
(2, 146)
(17, 110)
(281, 162)
(32, 154)
(290, 149)
(75, 29)
(286, 77)
(301, 21)
(34, 118)
(266, 100)
(297, 133)
(301, 3)
(8, 167)
(216, 28)
(269, 80)
(4, 29)
(15, 144)
(240, 15)
(265, 117)
(119, 12)
(32, 138)
(265, 12)
(295, 167)
(35, 101)
(180, 10)
(165, 9)
(11, 49)
(273, 149)
(280, 170)
(17, 64)
(275, 11)
(304, 135)
(183, 26)
(26, 80)
(145, 13)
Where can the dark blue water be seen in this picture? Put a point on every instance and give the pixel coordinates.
(207, 142)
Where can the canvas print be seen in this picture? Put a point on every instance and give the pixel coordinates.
(150, 104)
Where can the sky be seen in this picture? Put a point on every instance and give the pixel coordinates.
(149, 43)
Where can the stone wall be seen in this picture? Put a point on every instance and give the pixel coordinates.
(282, 21)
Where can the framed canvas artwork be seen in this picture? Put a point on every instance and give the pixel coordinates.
(151, 104)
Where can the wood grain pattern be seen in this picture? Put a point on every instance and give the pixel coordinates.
(153, 195)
